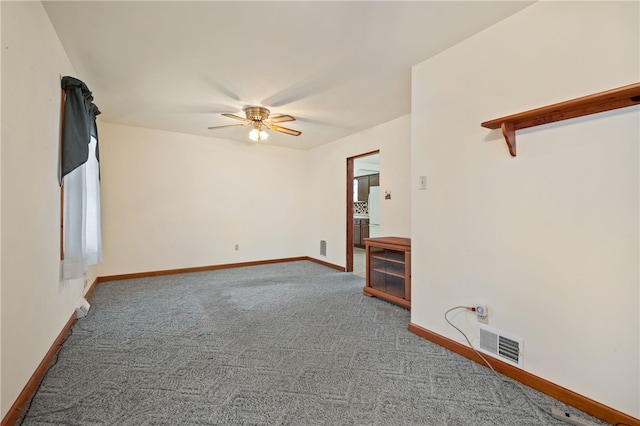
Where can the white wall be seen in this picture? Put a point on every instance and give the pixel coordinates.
(35, 303)
(173, 201)
(549, 239)
(326, 180)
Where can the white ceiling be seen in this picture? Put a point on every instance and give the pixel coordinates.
(339, 67)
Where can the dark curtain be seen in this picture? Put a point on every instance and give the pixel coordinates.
(78, 126)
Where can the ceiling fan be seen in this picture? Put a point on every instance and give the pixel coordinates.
(258, 118)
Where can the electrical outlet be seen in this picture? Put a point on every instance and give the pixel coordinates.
(237, 247)
(482, 312)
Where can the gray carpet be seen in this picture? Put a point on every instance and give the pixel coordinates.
(284, 344)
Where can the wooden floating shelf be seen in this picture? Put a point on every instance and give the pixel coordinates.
(599, 102)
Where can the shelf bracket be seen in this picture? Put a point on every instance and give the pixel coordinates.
(509, 133)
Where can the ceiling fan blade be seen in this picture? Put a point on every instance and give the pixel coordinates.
(284, 130)
(282, 118)
(228, 126)
(237, 117)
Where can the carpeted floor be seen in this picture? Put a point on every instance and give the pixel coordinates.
(284, 344)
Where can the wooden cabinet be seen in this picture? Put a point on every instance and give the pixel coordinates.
(389, 269)
(364, 183)
(363, 188)
(360, 231)
(364, 230)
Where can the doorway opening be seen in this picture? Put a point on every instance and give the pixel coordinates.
(363, 212)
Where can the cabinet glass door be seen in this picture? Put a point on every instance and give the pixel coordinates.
(387, 271)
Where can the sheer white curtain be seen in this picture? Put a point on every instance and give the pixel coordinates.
(82, 233)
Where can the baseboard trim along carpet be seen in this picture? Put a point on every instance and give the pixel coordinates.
(327, 264)
(560, 393)
(213, 268)
(32, 385)
(92, 287)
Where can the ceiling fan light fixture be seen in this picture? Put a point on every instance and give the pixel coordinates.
(258, 135)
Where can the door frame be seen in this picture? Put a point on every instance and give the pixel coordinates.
(350, 177)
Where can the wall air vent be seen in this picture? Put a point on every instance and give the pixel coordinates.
(505, 348)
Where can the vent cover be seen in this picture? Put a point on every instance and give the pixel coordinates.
(500, 346)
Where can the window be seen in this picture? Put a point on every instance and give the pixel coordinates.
(81, 239)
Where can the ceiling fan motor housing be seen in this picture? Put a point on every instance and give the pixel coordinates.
(256, 113)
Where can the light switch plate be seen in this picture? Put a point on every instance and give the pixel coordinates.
(422, 182)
